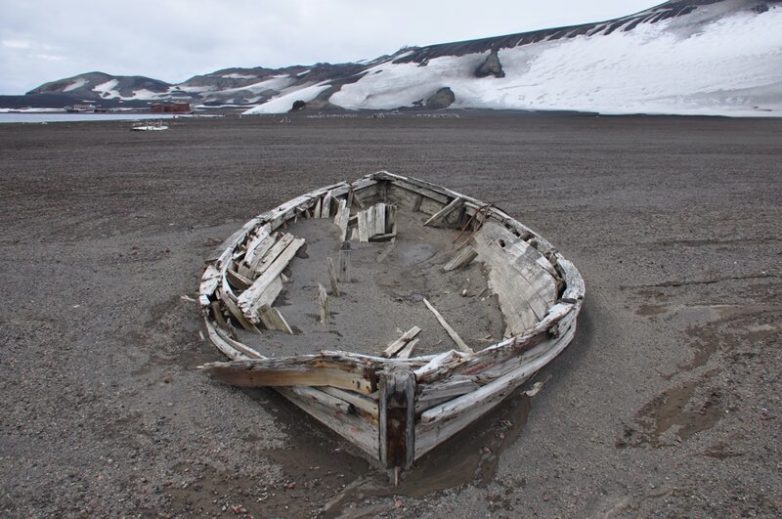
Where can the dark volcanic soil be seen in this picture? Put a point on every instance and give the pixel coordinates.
(667, 403)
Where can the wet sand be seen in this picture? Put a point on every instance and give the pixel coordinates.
(667, 403)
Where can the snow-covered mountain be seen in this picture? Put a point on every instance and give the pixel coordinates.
(716, 57)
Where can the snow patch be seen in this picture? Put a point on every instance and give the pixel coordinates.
(107, 89)
(284, 102)
(78, 83)
(673, 66)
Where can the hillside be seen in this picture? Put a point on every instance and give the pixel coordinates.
(711, 57)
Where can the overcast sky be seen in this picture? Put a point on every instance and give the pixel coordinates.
(172, 40)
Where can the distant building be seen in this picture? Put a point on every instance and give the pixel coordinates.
(81, 109)
(171, 108)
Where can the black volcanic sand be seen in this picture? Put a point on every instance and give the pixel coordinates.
(666, 404)
(383, 299)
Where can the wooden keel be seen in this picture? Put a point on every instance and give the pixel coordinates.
(397, 419)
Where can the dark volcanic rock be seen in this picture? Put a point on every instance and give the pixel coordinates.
(82, 86)
(298, 105)
(443, 98)
(491, 67)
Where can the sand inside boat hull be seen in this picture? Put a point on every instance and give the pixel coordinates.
(383, 299)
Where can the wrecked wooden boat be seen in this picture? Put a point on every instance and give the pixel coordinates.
(394, 311)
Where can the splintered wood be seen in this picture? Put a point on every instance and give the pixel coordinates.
(253, 298)
(342, 218)
(395, 346)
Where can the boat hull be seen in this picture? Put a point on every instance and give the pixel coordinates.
(395, 408)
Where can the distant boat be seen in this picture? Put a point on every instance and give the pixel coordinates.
(149, 127)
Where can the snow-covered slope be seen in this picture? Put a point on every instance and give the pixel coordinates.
(719, 58)
(711, 57)
(95, 86)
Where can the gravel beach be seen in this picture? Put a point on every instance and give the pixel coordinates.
(668, 403)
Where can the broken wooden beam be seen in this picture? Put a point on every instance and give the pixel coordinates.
(439, 216)
(333, 280)
(276, 244)
(325, 210)
(342, 219)
(448, 328)
(397, 344)
(323, 302)
(407, 351)
(272, 319)
(463, 257)
(252, 299)
(304, 370)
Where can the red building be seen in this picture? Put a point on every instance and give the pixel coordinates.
(170, 108)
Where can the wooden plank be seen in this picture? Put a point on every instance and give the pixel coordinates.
(448, 328)
(262, 262)
(463, 257)
(361, 402)
(260, 251)
(574, 283)
(236, 312)
(397, 419)
(434, 394)
(525, 290)
(217, 313)
(238, 281)
(260, 236)
(379, 220)
(245, 271)
(344, 262)
(323, 303)
(363, 226)
(357, 430)
(371, 216)
(304, 370)
(407, 351)
(234, 350)
(272, 319)
(269, 295)
(333, 279)
(397, 344)
(439, 216)
(427, 192)
(342, 218)
(325, 211)
(209, 282)
(223, 251)
(390, 227)
(252, 299)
